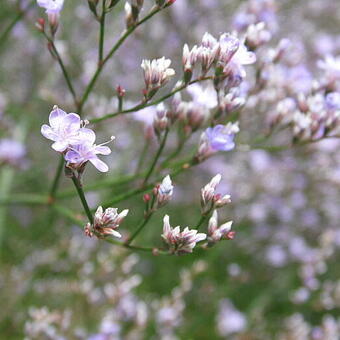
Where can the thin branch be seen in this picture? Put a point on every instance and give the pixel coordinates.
(143, 105)
(120, 41)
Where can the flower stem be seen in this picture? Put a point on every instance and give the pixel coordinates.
(19, 16)
(82, 197)
(116, 46)
(139, 228)
(56, 180)
(158, 154)
(63, 68)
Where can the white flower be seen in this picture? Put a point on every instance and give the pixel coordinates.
(215, 232)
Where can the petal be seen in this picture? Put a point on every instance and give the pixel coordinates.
(60, 146)
(102, 150)
(71, 122)
(100, 165)
(86, 135)
(56, 116)
(48, 133)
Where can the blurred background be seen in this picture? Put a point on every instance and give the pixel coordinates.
(278, 279)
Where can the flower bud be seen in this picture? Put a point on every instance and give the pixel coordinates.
(164, 192)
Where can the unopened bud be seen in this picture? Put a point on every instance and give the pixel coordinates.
(40, 24)
(146, 198)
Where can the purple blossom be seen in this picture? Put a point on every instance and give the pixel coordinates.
(332, 101)
(51, 6)
(63, 130)
(12, 152)
(85, 150)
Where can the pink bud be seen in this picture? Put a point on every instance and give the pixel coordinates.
(146, 198)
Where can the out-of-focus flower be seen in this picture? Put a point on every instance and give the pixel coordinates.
(332, 101)
(164, 192)
(203, 96)
(331, 66)
(218, 138)
(229, 319)
(63, 130)
(257, 35)
(12, 152)
(157, 72)
(79, 154)
(215, 232)
(180, 242)
(51, 6)
(106, 222)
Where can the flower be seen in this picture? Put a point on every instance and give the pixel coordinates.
(63, 130)
(86, 151)
(51, 6)
(331, 66)
(164, 191)
(215, 232)
(221, 137)
(218, 138)
(12, 152)
(157, 72)
(106, 222)
(74, 140)
(203, 96)
(180, 242)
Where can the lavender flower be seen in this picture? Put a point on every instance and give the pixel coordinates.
(332, 101)
(75, 141)
(218, 138)
(81, 153)
(51, 6)
(63, 130)
(180, 242)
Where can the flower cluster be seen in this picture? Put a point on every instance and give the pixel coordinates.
(164, 192)
(156, 74)
(228, 54)
(180, 242)
(74, 140)
(51, 6)
(106, 222)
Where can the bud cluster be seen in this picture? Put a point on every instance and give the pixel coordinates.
(180, 242)
(156, 74)
(209, 199)
(216, 233)
(106, 222)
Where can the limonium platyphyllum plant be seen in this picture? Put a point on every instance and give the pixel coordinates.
(144, 143)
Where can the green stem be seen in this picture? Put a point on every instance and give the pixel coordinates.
(100, 67)
(82, 197)
(143, 155)
(63, 68)
(139, 228)
(101, 34)
(158, 154)
(200, 222)
(56, 180)
(144, 105)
